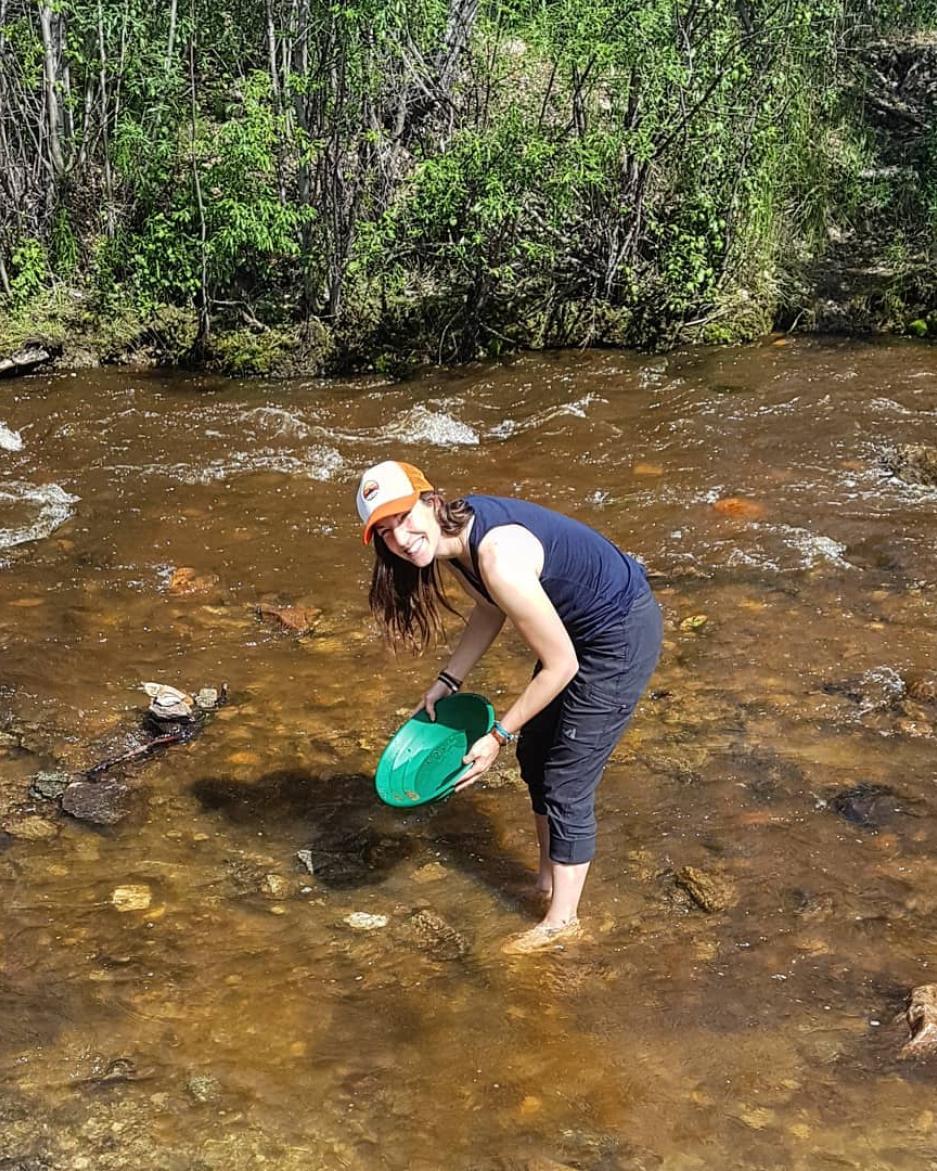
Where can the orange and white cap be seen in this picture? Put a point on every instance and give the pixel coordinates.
(388, 488)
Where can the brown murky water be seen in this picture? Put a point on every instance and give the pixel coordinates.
(238, 1020)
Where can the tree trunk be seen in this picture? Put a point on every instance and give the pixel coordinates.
(204, 303)
(171, 40)
(48, 21)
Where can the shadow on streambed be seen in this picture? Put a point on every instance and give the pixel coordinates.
(353, 840)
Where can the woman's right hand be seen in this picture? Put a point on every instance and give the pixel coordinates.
(436, 691)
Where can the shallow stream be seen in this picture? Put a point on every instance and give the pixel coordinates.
(232, 1018)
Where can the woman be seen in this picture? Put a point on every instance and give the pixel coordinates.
(582, 606)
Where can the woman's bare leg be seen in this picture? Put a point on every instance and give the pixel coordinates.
(561, 922)
(559, 880)
(568, 881)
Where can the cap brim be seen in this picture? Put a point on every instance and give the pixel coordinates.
(401, 504)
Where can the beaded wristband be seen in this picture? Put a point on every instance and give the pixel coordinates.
(501, 734)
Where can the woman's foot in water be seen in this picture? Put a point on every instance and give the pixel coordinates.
(544, 936)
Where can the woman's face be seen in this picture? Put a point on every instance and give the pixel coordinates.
(413, 536)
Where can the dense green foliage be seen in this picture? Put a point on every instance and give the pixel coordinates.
(390, 180)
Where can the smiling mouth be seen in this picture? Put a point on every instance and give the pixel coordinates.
(417, 545)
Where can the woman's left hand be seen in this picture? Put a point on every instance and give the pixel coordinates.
(481, 756)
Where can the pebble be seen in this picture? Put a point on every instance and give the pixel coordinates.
(758, 1117)
(244, 757)
(275, 886)
(431, 872)
(362, 921)
(203, 1088)
(187, 580)
(134, 897)
(31, 829)
(738, 506)
(50, 784)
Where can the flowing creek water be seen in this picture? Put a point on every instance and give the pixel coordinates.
(235, 1018)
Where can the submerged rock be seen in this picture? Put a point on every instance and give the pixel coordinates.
(30, 829)
(49, 784)
(203, 1088)
(429, 872)
(100, 802)
(867, 805)
(275, 886)
(922, 687)
(133, 897)
(877, 690)
(431, 933)
(104, 1071)
(914, 463)
(362, 921)
(185, 580)
(922, 1020)
(297, 620)
(710, 892)
(740, 507)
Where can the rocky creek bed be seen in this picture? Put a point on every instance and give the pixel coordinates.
(257, 964)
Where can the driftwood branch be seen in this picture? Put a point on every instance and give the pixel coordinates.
(138, 753)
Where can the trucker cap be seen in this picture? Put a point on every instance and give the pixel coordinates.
(386, 489)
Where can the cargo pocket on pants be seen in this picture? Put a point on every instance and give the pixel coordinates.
(594, 717)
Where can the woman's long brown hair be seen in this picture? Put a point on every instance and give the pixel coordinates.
(408, 601)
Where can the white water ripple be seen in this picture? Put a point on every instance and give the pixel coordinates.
(10, 440)
(46, 507)
(420, 425)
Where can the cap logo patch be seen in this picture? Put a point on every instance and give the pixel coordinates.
(370, 490)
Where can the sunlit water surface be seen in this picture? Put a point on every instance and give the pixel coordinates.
(238, 1020)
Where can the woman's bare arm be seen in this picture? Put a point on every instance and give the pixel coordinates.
(511, 559)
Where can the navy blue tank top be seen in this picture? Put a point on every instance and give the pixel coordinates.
(588, 579)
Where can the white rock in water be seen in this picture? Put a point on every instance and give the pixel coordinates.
(163, 694)
(362, 921)
(131, 898)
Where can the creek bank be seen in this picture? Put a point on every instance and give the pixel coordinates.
(26, 360)
(401, 355)
(875, 271)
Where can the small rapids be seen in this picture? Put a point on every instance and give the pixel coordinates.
(30, 512)
(421, 425)
(10, 440)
